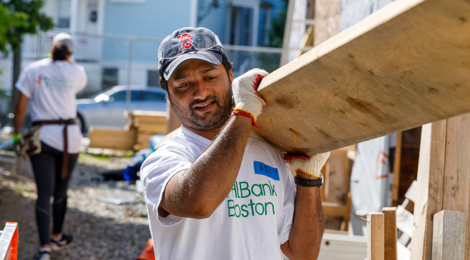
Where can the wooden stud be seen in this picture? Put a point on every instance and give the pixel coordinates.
(456, 180)
(378, 77)
(443, 180)
(287, 28)
(449, 235)
(307, 40)
(336, 181)
(345, 222)
(348, 168)
(390, 233)
(326, 173)
(430, 177)
(375, 236)
(331, 209)
(153, 129)
(327, 14)
(396, 169)
(112, 138)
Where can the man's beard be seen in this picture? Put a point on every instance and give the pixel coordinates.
(217, 120)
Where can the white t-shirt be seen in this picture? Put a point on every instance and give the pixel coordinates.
(251, 223)
(51, 87)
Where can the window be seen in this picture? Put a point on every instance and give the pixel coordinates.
(137, 95)
(241, 26)
(118, 96)
(63, 14)
(152, 78)
(265, 24)
(247, 14)
(153, 96)
(128, 1)
(109, 78)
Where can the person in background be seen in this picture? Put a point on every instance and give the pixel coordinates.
(50, 85)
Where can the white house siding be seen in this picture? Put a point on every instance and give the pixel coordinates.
(353, 11)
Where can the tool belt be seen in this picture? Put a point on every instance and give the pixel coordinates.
(33, 143)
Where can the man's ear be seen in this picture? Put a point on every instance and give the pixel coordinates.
(230, 76)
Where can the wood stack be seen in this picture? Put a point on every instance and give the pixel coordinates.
(116, 139)
(146, 124)
(135, 136)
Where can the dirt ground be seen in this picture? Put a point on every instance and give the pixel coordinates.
(101, 230)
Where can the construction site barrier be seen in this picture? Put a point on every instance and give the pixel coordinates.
(9, 241)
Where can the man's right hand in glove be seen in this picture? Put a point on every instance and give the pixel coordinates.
(247, 100)
(216, 169)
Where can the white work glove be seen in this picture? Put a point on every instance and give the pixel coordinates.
(247, 100)
(309, 165)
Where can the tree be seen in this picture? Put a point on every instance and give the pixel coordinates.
(276, 33)
(6, 20)
(17, 18)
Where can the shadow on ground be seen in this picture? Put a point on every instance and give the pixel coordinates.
(101, 231)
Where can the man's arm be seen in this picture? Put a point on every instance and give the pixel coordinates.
(307, 227)
(20, 112)
(199, 190)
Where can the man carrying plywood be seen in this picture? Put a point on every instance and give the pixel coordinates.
(212, 191)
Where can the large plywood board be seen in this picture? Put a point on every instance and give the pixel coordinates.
(405, 65)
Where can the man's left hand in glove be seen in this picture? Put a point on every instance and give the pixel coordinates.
(307, 167)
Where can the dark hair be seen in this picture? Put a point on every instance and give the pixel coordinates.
(227, 64)
(59, 51)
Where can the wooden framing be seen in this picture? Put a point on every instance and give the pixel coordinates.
(342, 247)
(443, 180)
(116, 139)
(448, 238)
(334, 209)
(307, 41)
(396, 169)
(327, 13)
(375, 236)
(147, 124)
(390, 233)
(341, 93)
(336, 187)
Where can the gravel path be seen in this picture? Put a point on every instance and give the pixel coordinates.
(101, 230)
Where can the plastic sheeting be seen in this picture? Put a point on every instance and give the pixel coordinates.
(371, 178)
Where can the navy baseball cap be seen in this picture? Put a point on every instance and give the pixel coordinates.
(188, 44)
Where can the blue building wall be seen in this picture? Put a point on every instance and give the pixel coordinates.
(158, 18)
(151, 19)
(216, 18)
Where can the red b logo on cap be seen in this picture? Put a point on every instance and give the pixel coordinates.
(186, 41)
